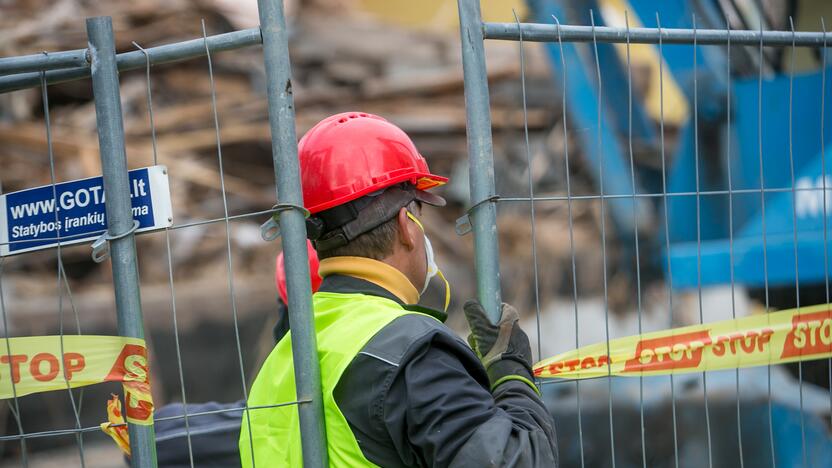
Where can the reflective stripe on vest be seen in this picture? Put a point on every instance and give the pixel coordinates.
(344, 323)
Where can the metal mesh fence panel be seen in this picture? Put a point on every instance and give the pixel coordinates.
(678, 420)
(662, 211)
(101, 63)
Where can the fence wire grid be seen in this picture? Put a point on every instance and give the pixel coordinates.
(571, 45)
(45, 69)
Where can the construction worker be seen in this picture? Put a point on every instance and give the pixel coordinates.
(399, 388)
(282, 326)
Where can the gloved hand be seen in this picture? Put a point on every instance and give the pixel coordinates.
(504, 348)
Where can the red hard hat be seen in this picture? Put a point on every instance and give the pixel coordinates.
(280, 273)
(349, 155)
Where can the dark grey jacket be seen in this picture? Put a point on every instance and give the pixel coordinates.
(417, 395)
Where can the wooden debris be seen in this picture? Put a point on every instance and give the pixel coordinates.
(341, 62)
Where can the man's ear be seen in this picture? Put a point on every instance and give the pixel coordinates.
(407, 235)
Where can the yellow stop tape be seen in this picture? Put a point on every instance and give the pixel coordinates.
(115, 427)
(40, 364)
(775, 338)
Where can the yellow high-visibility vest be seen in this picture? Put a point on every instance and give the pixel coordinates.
(344, 323)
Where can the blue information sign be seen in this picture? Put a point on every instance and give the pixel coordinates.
(73, 212)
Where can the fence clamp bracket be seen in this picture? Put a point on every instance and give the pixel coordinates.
(101, 246)
(463, 223)
(270, 230)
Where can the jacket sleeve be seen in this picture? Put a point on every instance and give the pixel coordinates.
(416, 395)
(440, 400)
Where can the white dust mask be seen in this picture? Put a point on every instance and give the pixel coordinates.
(432, 268)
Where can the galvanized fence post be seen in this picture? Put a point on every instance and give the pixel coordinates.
(293, 231)
(119, 212)
(480, 158)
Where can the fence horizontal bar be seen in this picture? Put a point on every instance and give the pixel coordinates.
(610, 196)
(702, 193)
(231, 410)
(136, 59)
(44, 61)
(64, 432)
(200, 222)
(536, 32)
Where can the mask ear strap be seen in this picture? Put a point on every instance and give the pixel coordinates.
(416, 220)
(447, 289)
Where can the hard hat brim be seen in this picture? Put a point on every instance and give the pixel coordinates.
(422, 181)
(430, 198)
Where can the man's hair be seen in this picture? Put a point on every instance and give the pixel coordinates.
(376, 243)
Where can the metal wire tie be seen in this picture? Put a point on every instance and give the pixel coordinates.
(270, 230)
(463, 223)
(101, 246)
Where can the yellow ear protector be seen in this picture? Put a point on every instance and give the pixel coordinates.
(432, 268)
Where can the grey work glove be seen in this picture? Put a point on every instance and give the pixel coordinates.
(504, 348)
